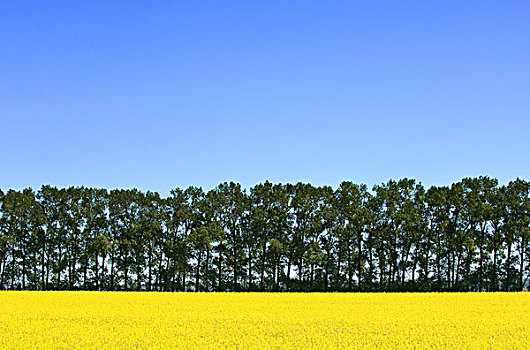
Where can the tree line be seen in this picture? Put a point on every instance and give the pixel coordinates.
(473, 235)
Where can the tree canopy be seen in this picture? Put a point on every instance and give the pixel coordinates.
(399, 236)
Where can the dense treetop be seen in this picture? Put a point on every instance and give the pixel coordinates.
(472, 235)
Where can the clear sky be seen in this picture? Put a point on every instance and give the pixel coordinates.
(160, 94)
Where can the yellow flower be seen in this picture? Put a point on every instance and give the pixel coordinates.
(127, 320)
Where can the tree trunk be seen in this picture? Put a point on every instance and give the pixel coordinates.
(43, 273)
(96, 269)
(311, 273)
(234, 267)
(197, 271)
(249, 269)
(495, 286)
(521, 266)
(359, 260)
(220, 277)
(59, 271)
(370, 266)
(206, 273)
(150, 262)
(300, 271)
(508, 266)
(3, 267)
(288, 280)
(414, 268)
(481, 260)
(350, 272)
(262, 277)
(112, 271)
(85, 267)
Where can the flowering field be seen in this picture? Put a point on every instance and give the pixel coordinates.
(127, 320)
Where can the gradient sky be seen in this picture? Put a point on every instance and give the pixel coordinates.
(159, 94)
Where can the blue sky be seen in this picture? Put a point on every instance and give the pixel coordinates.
(156, 95)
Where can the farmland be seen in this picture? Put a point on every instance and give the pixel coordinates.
(149, 320)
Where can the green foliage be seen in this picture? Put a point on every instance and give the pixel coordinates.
(472, 235)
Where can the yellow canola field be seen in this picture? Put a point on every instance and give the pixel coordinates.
(127, 320)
